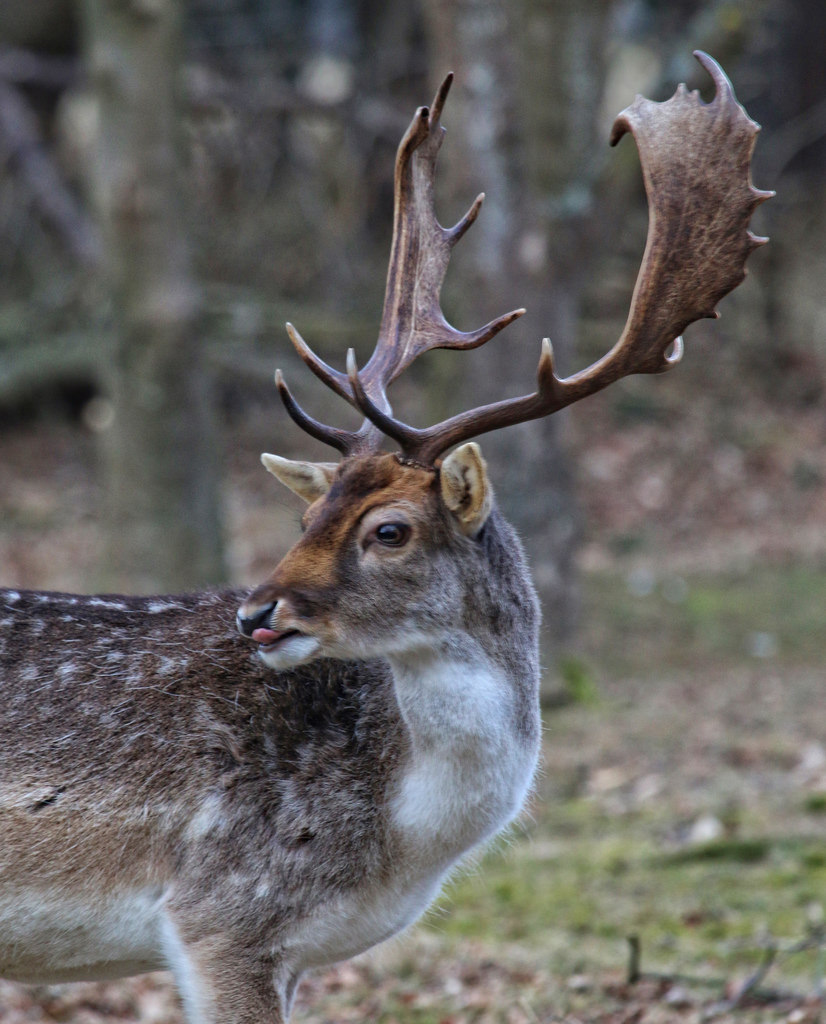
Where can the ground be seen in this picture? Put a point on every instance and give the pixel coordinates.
(681, 809)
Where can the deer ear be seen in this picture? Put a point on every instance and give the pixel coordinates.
(309, 480)
(466, 489)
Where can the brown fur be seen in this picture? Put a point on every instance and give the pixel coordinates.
(319, 560)
(147, 749)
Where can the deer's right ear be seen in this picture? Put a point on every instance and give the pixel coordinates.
(466, 490)
(309, 480)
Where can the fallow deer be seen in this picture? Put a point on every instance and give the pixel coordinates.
(242, 806)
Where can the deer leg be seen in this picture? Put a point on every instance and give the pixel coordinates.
(224, 980)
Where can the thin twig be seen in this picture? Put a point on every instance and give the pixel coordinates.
(751, 983)
(634, 954)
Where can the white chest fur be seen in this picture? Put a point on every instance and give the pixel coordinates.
(470, 765)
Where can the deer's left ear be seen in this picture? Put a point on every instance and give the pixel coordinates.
(466, 490)
(309, 480)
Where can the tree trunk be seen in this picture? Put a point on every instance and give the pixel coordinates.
(528, 243)
(161, 482)
(791, 158)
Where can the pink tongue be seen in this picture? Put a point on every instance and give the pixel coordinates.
(264, 636)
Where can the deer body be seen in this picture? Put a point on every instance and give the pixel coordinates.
(169, 800)
(172, 796)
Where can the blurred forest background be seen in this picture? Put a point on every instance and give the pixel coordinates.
(180, 179)
(177, 180)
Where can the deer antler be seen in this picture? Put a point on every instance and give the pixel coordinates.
(412, 320)
(695, 158)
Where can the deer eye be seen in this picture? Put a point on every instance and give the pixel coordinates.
(392, 535)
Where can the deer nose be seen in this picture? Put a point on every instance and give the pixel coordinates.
(251, 617)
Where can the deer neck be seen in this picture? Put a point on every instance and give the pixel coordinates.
(472, 746)
(446, 688)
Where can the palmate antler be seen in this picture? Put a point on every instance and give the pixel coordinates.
(695, 158)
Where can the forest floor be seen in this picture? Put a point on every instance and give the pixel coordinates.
(681, 809)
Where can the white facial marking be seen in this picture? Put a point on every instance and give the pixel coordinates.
(292, 651)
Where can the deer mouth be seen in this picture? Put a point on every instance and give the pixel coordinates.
(271, 639)
(285, 648)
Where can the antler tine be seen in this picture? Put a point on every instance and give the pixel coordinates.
(437, 106)
(326, 374)
(343, 440)
(695, 159)
(464, 340)
(348, 442)
(461, 226)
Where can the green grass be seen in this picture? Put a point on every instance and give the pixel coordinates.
(694, 621)
(703, 911)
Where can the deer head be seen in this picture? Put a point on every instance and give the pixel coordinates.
(381, 529)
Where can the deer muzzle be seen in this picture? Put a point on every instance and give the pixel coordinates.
(255, 618)
(271, 624)
(265, 624)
